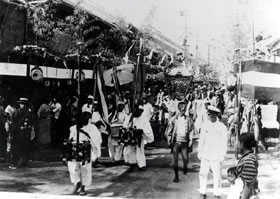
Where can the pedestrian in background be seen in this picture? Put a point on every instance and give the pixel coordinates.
(3, 132)
(212, 148)
(22, 132)
(236, 184)
(44, 116)
(9, 110)
(56, 109)
(181, 136)
(88, 105)
(247, 168)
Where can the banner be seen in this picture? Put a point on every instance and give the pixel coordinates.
(101, 91)
(260, 80)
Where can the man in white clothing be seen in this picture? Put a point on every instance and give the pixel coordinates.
(57, 133)
(88, 106)
(56, 108)
(135, 154)
(148, 108)
(81, 173)
(212, 148)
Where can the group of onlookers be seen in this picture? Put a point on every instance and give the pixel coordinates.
(20, 128)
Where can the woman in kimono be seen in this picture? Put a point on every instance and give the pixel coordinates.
(44, 116)
(81, 174)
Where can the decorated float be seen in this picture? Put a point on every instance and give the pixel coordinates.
(178, 76)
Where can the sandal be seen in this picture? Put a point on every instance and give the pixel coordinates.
(83, 193)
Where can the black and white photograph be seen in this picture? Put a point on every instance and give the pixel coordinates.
(144, 99)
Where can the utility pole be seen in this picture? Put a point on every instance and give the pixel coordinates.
(253, 31)
(184, 14)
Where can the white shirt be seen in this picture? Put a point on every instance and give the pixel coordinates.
(148, 111)
(181, 132)
(235, 189)
(95, 138)
(96, 117)
(56, 110)
(141, 123)
(9, 109)
(213, 141)
(87, 108)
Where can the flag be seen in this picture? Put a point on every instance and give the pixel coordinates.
(260, 80)
(116, 82)
(162, 59)
(172, 58)
(101, 91)
(126, 57)
(149, 57)
(139, 77)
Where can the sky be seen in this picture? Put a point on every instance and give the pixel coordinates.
(205, 20)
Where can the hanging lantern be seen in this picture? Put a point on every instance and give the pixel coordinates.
(47, 83)
(37, 73)
(58, 84)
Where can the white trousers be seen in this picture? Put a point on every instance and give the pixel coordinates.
(205, 166)
(115, 149)
(80, 173)
(135, 154)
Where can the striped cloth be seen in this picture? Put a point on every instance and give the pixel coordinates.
(260, 80)
(247, 168)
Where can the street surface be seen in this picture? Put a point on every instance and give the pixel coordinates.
(51, 179)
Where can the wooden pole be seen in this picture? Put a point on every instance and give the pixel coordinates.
(94, 77)
(238, 102)
(79, 96)
(136, 73)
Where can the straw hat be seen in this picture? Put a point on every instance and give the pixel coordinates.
(23, 100)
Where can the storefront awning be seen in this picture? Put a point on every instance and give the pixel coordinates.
(12, 69)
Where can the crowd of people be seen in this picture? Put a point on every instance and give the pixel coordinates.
(20, 127)
(199, 113)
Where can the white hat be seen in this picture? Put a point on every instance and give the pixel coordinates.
(90, 97)
(213, 110)
(23, 100)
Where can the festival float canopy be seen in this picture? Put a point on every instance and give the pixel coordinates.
(260, 80)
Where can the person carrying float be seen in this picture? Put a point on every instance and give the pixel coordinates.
(138, 130)
(115, 148)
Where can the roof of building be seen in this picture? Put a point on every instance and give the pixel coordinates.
(93, 9)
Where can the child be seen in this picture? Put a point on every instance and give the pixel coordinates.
(236, 186)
